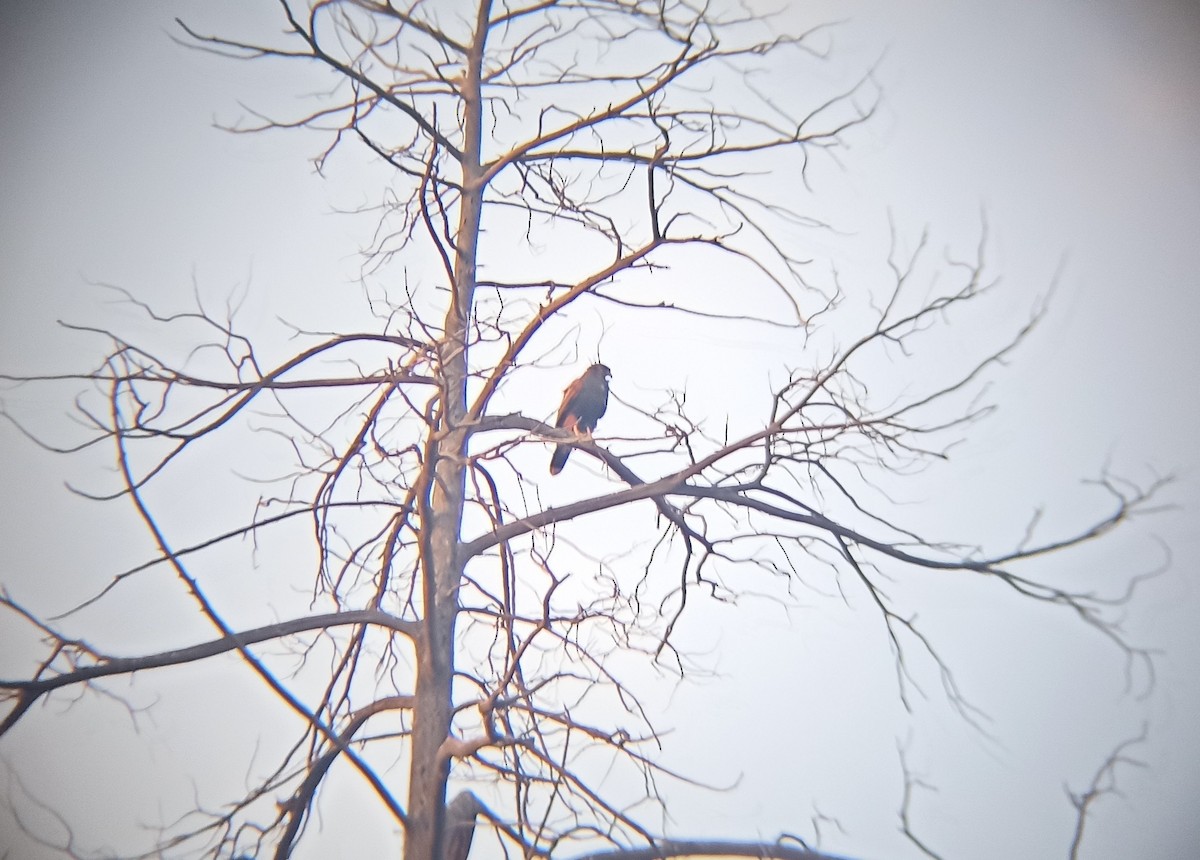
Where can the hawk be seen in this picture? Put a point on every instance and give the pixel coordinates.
(583, 403)
(460, 825)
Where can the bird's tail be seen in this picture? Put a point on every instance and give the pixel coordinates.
(561, 452)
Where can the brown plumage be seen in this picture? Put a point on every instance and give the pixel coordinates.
(583, 404)
(460, 825)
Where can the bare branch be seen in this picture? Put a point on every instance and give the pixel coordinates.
(1104, 782)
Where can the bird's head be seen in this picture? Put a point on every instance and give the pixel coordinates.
(600, 370)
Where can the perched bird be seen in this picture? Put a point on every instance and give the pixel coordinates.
(583, 403)
(460, 825)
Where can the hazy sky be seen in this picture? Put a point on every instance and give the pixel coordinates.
(1072, 125)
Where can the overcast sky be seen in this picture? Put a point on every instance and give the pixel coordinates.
(1073, 125)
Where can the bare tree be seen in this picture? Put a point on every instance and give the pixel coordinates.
(547, 160)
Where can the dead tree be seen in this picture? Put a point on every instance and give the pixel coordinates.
(547, 163)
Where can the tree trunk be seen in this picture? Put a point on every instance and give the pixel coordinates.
(442, 566)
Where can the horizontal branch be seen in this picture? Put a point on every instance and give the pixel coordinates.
(745, 496)
(31, 690)
(712, 848)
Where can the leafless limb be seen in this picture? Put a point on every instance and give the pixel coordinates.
(1104, 782)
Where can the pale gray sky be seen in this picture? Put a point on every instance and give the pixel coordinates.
(1073, 125)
